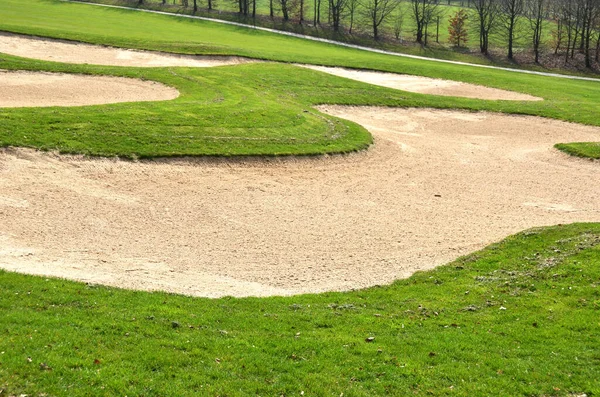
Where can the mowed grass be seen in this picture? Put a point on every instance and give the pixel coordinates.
(521, 317)
(252, 109)
(581, 149)
(259, 109)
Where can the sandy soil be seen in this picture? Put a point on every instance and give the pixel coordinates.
(56, 89)
(436, 185)
(425, 85)
(73, 52)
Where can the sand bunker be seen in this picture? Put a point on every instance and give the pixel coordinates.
(72, 52)
(425, 85)
(20, 89)
(436, 185)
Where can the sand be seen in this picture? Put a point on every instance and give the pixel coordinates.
(80, 53)
(425, 85)
(42, 89)
(435, 185)
(73, 52)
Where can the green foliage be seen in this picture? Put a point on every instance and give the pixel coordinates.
(519, 318)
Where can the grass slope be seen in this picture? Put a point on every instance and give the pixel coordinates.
(362, 26)
(518, 318)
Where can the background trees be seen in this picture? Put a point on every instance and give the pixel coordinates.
(377, 11)
(540, 30)
(510, 11)
(487, 12)
(423, 12)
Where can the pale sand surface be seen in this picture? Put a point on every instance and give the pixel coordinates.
(73, 52)
(290, 226)
(425, 85)
(19, 89)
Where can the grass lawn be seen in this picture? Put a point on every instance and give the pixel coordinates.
(252, 109)
(259, 109)
(581, 149)
(518, 318)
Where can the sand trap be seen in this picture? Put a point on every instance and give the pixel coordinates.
(436, 185)
(20, 89)
(425, 85)
(72, 52)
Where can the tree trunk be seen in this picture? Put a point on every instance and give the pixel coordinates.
(195, 6)
(511, 34)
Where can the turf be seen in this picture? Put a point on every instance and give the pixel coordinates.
(589, 150)
(260, 109)
(252, 109)
(518, 318)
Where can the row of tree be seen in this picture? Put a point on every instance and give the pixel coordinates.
(574, 25)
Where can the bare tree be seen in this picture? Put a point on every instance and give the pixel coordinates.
(398, 24)
(487, 17)
(377, 11)
(285, 9)
(535, 11)
(510, 13)
(317, 13)
(591, 13)
(336, 8)
(424, 11)
(352, 7)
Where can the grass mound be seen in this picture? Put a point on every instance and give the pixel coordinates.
(517, 318)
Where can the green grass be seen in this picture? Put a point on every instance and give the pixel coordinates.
(589, 150)
(362, 26)
(518, 318)
(260, 109)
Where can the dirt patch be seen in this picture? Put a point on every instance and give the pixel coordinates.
(21, 89)
(73, 52)
(425, 85)
(436, 185)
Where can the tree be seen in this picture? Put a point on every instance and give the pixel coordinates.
(591, 13)
(377, 11)
(352, 7)
(336, 8)
(457, 28)
(424, 11)
(510, 12)
(535, 11)
(486, 12)
(284, 9)
(317, 12)
(398, 24)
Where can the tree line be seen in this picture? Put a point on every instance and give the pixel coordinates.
(573, 26)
